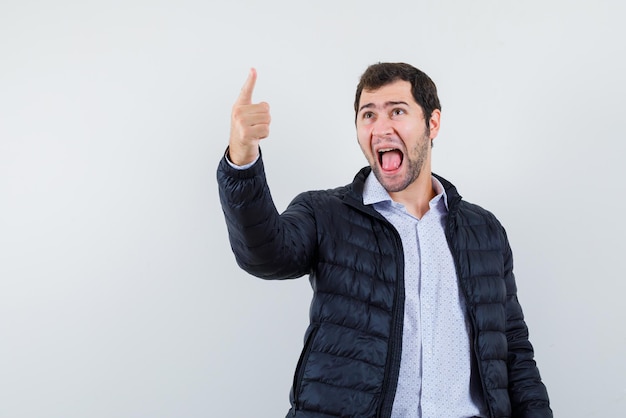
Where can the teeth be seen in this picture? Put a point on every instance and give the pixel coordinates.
(385, 150)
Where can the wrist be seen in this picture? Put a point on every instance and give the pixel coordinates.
(242, 155)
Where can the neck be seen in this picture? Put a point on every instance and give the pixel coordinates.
(417, 196)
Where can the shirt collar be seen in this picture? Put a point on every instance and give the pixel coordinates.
(374, 192)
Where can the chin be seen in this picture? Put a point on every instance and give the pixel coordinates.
(396, 187)
(399, 181)
(392, 183)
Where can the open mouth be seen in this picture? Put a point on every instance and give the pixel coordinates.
(390, 158)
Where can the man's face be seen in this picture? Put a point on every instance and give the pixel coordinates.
(393, 134)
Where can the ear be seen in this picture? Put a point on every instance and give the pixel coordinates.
(434, 123)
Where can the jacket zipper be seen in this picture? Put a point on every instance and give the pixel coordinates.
(297, 383)
(469, 312)
(394, 352)
(390, 379)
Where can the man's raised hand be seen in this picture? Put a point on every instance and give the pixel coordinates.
(249, 123)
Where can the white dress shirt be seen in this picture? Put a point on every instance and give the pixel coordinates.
(436, 366)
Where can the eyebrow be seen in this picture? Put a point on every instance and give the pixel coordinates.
(387, 104)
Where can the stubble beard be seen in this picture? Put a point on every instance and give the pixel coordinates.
(414, 168)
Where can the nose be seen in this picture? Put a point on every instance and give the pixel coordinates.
(382, 127)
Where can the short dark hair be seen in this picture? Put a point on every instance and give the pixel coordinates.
(422, 87)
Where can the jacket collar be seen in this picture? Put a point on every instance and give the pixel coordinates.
(354, 192)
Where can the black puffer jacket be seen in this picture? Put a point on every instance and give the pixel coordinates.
(350, 362)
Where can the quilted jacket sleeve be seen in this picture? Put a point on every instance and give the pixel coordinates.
(265, 243)
(529, 397)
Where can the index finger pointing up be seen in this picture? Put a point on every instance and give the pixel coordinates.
(245, 97)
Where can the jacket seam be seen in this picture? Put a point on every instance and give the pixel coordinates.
(347, 357)
(308, 379)
(341, 295)
(382, 337)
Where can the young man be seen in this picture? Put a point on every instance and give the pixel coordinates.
(415, 312)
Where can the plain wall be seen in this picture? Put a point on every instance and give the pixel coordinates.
(119, 295)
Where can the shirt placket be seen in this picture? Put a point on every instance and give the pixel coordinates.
(427, 312)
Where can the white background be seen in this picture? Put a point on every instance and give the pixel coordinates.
(119, 296)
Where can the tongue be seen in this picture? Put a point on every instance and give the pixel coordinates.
(391, 160)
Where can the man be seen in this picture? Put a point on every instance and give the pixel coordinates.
(415, 312)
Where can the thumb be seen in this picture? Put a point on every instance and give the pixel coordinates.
(245, 97)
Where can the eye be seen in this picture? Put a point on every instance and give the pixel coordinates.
(367, 115)
(397, 112)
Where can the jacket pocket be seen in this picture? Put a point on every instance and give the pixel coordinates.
(302, 361)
